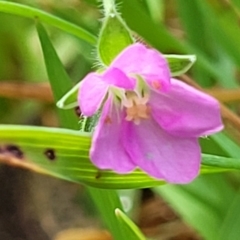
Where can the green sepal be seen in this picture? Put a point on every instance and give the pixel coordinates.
(180, 64)
(69, 100)
(113, 38)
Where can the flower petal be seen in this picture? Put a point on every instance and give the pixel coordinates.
(91, 93)
(185, 111)
(149, 63)
(116, 77)
(107, 152)
(161, 155)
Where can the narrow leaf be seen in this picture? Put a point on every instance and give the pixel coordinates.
(229, 229)
(64, 154)
(201, 203)
(106, 202)
(156, 34)
(130, 229)
(33, 13)
(58, 77)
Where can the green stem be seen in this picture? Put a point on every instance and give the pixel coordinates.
(33, 13)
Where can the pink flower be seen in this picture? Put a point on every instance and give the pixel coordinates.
(148, 120)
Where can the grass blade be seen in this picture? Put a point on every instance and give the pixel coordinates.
(36, 14)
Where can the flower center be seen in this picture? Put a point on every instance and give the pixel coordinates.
(136, 107)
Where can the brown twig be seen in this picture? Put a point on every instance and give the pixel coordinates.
(42, 92)
(225, 95)
(17, 90)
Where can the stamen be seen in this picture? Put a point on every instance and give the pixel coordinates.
(139, 109)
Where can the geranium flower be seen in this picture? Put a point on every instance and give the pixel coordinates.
(148, 120)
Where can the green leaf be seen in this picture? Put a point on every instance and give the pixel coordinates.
(229, 229)
(201, 203)
(159, 37)
(155, 34)
(130, 229)
(58, 77)
(71, 161)
(36, 14)
(211, 45)
(156, 10)
(106, 202)
(114, 37)
(64, 154)
(179, 64)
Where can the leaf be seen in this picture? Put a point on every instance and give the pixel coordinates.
(130, 229)
(114, 37)
(106, 202)
(36, 14)
(64, 154)
(229, 229)
(202, 203)
(214, 44)
(156, 10)
(159, 37)
(180, 64)
(155, 34)
(58, 77)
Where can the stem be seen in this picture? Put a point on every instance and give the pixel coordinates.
(33, 13)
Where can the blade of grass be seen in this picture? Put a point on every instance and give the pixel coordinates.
(65, 154)
(36, 14)
(130, 229)
(229, 229)
(212, 44)
(60, 82)
(202, 203)
(156, 9)
(158, 36)
(155, 34)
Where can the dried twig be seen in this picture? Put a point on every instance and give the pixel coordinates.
(17, 90)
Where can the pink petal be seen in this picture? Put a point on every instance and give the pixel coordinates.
(91, 94)
(185, 111)
(107, 152)
(116, 77)
(161, 155)
(146, 62)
